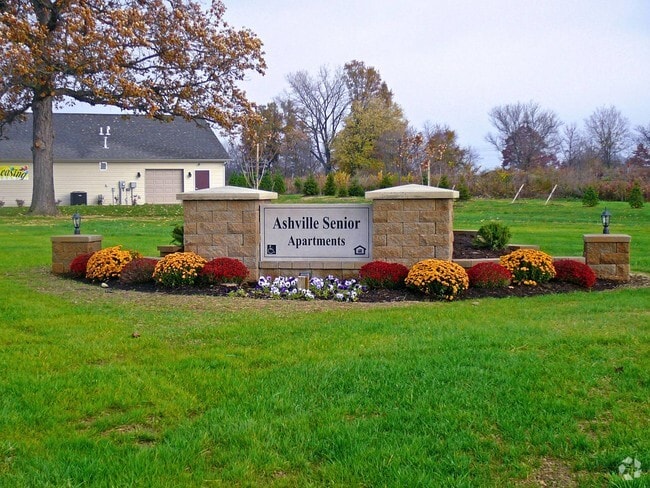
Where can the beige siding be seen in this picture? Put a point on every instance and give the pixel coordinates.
(87, 177)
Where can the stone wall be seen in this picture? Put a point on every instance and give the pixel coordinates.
(608, 255)
(409, 223)
(224, 222)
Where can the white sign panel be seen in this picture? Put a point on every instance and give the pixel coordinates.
(316, 232)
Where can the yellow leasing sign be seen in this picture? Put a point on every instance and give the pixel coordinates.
(14, 172)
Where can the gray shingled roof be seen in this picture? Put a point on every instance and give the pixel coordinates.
(133, 138)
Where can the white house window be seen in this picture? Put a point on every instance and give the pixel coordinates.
(103, 166)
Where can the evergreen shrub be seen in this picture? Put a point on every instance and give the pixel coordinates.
(493, 235)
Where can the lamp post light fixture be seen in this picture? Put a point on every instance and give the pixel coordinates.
(604, 217)
(76, 221)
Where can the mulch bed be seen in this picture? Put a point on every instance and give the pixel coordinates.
(463, 249)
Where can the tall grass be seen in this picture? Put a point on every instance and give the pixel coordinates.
(230, 391)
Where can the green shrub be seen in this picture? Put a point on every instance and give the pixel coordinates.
(590, 197)
(178, 235)
(329, 188)
(493, 235)
(310, 187)
(278, 184)
(635, 197)
(178, 269)
(529, 266)
(238, 179)
(443, 182)
(298, 184)
(386, 180)
(438, 278)
(140, 270)
(356, 190)
(463, 191)
(266, 183)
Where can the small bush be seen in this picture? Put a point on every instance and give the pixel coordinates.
(590, 197)
(266, 183)
(178, 269)
(493, 235)
(238, 179)
(178, 235)
(529, 266)
(463, 191)
(298, 184)
(635, 197)
(437, 278)
(310, 187)
(329, 188)
(489, 275)
(356, 190)
(279, 185)
(108, 263)
(140, 270)
(20, 203)
(380, 274)
(571, 271)
(223, 270)
(79, 264)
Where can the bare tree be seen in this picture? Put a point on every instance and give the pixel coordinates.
(321, 103)
(609, 133)
(526, 134)
(643, 134)
(573, 146)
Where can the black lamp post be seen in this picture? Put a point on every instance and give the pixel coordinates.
(605, 219)
(76, 221)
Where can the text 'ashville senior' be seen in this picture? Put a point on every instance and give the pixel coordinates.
(310, 223)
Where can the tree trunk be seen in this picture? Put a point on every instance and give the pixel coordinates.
(43, 202)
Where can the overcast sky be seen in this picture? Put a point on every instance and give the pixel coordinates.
(451, 61)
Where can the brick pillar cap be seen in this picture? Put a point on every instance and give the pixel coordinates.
(412, 192)
(77, 238)
(606, 238)
(228, 193)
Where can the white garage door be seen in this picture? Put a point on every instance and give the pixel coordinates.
(162, 185)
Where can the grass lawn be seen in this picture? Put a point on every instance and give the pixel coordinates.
(231, 391)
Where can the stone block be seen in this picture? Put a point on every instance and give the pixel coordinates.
(421, 205)
(388, 228)
(614, 258)
(433, 240)
(387, 252)
(379, 240)
(387, 205)
(414, 229)
(403, 216)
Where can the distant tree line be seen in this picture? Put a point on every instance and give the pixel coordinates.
(346, 122)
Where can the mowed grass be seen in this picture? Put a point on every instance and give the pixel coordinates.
(242, 392)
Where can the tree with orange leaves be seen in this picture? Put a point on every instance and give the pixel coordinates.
(161, 58)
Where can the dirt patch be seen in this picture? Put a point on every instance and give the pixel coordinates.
(553, 473)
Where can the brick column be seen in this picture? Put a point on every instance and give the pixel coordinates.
(66, 248)
(412, 223)
(224, 222)
(608, 255)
